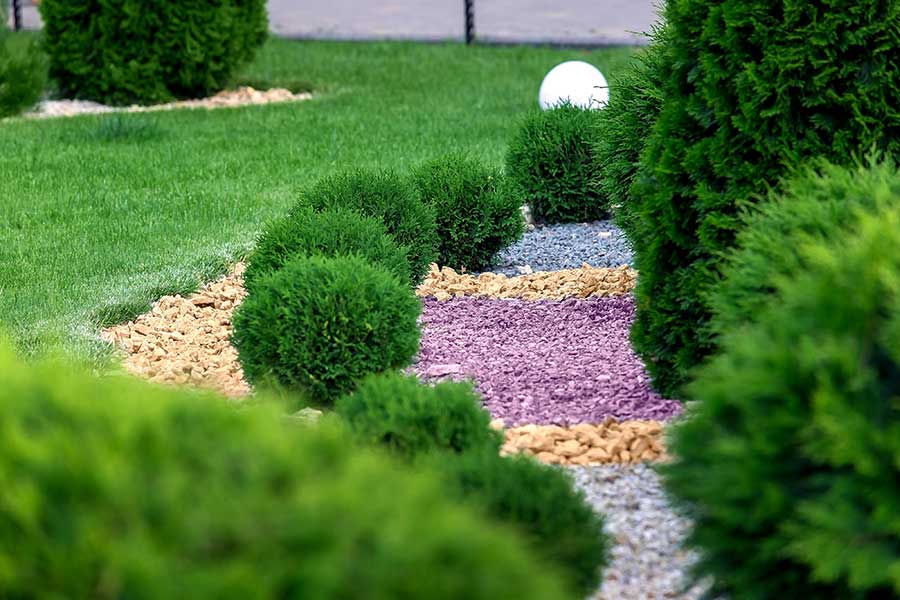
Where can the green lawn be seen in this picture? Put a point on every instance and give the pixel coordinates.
(100, 215)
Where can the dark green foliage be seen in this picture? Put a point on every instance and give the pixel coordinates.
(23, 73)
(411, 419)
(147, 51)
(477, 213)
(320, 324)
(113, 488)
(789, 466)
(812, 204)
(623, 127)
(538, 500)
(756, 88)
(386, 196)
(334, 232)
(551, 162)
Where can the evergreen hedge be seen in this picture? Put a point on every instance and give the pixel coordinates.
(113, 488)
(755, 88)
(788, 467)
(149, 51)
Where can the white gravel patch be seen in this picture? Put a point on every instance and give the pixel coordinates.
(242, 96)
(647, 560)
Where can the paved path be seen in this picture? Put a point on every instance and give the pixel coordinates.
(568, 21)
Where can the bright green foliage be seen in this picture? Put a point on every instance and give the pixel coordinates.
(551, 162)
(320, 324)
(756, 87)
(23, 73)
(335, 232)
(113, 488)
(477, 213)
(387, 196)
(539, 500)
(789, 466)
(623, 127)
(146, 51)
(411, 419)
(812, 204)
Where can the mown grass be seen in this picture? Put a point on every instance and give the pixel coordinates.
(100, 215)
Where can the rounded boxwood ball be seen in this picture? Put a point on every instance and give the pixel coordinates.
(551, 159)
(386, 196)
(320, 324)
(477, 213)
(410, 418)
(334, 232)
(538, 500)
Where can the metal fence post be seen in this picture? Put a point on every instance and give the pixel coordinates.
(470, 20)
(17, 14)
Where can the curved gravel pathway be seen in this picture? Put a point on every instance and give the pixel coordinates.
(647, 558)
(559, 362)
(565, 246)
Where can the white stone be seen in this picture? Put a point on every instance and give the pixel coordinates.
(580, 83)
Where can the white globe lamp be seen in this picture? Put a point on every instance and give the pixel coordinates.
(575, 81)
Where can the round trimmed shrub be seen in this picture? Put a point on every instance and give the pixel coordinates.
(410, 418)
(538, 500)
(148, 51)
(752, 93)
(623, 127)
(788, 465)
(335, 232)
(320, 324)
(149, 492)
(812, 204)
(477, 215)
(550, 161)
(386, 196)
(23, 73)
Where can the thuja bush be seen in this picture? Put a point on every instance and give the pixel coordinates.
(411, 418)
(23, 73)
(623, 127)
(319, 324)
(540, 501)
(386, 196)
(113, 488)
(550, 161)
(788, 468)
(334, 232)
(477, 214)
(814, 203)
(146, 51)
(752, 91)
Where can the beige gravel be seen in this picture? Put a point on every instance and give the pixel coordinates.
(588, 444)
(584, 282)
(242, 96)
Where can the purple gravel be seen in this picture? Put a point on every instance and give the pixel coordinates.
(560, 362)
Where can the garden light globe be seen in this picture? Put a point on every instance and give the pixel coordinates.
(576, 81)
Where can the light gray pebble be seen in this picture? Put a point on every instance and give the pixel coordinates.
(565, 246)
(647, 560)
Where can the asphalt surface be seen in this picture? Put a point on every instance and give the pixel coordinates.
(590, 22)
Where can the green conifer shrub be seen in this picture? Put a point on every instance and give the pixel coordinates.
(756, 88)
(149, 51)
(114, 488)
(411, 418)
(318, 325)
(387, 196)
(550, 161)
(334, 232)
(477, 214)
(788, 466)
(23, 73)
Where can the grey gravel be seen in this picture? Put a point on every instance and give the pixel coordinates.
(565, 246)
(647, 560)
